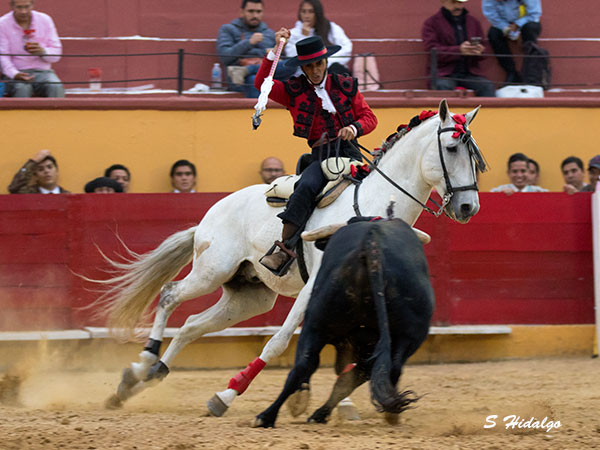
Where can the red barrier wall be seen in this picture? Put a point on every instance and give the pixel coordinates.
(524, 259)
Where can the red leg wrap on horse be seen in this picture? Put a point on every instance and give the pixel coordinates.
(243, 379)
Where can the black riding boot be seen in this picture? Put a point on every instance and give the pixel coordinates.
(276, 260)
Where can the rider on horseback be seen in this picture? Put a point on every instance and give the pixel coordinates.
(322, 105)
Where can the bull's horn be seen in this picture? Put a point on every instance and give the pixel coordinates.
(423, 237)
(322, 232)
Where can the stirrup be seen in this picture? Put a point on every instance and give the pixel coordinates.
(281, 270)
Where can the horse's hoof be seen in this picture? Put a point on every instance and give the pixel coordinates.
(347, 410)
(128, 381)
(260, 422)
(297, 403)
(157, 372)
(392, 418)
(216, 406)
(113, 402)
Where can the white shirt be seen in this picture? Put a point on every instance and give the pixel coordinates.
(336, 37)
(56, 190)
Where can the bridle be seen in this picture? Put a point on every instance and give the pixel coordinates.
(475, 156)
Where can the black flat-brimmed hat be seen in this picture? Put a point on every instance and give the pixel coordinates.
(310, 50)
(103, 182)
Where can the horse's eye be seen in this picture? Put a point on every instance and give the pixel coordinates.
(452, 149)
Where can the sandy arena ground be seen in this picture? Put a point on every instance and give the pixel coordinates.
(65, 411)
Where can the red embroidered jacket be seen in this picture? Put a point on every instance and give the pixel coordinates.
(310, 119)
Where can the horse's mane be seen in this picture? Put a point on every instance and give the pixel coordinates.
(402, 130)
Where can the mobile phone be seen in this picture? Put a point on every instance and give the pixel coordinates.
(475, 40)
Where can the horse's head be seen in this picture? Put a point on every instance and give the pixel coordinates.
(451, 165)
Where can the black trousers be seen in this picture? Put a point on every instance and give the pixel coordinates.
(312, 181)
(499, 43)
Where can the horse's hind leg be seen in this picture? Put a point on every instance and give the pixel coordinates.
(171, 296)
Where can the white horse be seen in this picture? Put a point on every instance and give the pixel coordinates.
(234, 234)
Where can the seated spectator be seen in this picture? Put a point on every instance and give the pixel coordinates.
(103, 185)
(511, 19)
(311, 21)
(593, 174)
(452, 29)
(39, 175)
(243, 43)
(533, 172)
(183, 176)
(33, 75)
(573, 173)
(120, 173)
(270, 169)
(517, 173)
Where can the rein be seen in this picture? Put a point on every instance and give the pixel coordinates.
(474, 153)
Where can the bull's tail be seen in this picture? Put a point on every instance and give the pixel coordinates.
(384, 394)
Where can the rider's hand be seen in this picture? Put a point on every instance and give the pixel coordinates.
(283, 33)
(346, 134)
(256, 38)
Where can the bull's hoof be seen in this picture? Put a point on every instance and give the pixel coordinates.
(262, 422)
(347, 410)
(216, 406)
(113, 402)
(297, 403)
(319, 416)
(392, 418)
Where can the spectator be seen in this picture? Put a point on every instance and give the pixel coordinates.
(511, 19)
(517, 173)
(33, 74)
(119, 173)
(241, 45)
(311, 21)
(270, 169)
(573, 173)
(39, 175)
(324, 107)
(593, 174)
(452, 29)
(183, 176)
(533, 172)
(103, 185)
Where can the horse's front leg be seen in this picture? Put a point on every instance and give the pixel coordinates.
(221, 401)
(132, 379)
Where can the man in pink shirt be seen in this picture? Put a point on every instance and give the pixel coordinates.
(32, 36)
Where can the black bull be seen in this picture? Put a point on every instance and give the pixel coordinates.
(373, 301)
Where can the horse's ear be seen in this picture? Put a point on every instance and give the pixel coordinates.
(443, 110)
(471, 115)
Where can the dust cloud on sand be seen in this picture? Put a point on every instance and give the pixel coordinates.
(63, 409)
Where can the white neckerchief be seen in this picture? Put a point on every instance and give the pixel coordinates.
(56, 190)
(324, 95)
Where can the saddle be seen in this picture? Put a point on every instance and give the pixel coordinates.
(336, 170)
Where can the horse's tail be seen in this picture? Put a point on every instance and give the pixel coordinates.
(384, 394)
(129, 294)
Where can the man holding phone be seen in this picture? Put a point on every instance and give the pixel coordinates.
(32, 37)
(457, 36)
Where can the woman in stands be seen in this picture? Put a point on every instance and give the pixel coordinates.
(311, 22)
